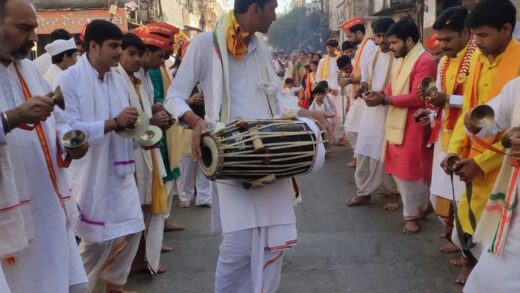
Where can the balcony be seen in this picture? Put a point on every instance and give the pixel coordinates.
(75, 4)
(387, 7)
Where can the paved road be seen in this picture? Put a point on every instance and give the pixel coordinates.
(340, 249)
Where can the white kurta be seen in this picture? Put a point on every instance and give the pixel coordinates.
(358, 106)
(52, 262)
(441, 182)
(500, 274)
(51, 75)
(108, 200)
(239, 208)
(43, 62)
(371, 134)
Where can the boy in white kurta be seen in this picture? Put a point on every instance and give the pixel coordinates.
(63, 55)
(96, 99)
(369, 173)
(258, 224)
(51, 263)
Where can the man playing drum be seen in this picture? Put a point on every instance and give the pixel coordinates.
(235, 74)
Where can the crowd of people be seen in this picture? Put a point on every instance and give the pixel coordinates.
(79, 216)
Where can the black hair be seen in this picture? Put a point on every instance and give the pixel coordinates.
(315, 62)
(241, 6)
(318, 55)
(358, 27)
(333, 43)
(152, 48)
(319, 90)
(289, 80)
(343, 61)
(493, 13)
(381, 25)
(59, 34)
(100, 31)
(347, 45)
(56, 59)
(308, 67)
(323, 84)
(404, 29)
(453, 19)
(132, 40)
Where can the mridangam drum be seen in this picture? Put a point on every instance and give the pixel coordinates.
(257, 152)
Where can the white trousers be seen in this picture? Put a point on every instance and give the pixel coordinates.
(170, 190)
(3, 283)
(370, 175)
(109, 260)
(415, 194)
(153, 234)
(191, 177)
(244, 266)
(352, 140)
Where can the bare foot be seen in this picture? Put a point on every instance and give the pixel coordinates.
(465, 270)
(411, 227)
(457, 261)
(184, 204)
(384, 195)
(392, 203)
(165, 248)
(169, 227)
(357, 200)
(113, 288)
(449, 248)
(425, 211)
(352, 163)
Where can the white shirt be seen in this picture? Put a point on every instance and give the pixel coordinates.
(43, 62)
(239, 208)
(372, 123)
(332, 79)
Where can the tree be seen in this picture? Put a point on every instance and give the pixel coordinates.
(299, 29)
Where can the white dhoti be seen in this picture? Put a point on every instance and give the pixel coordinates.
(109, 260)
(370, 175)
(340, 102)
(154, 234)
(171, 189)
(441, 182)
(3, 283)
(352, 140)
(246, 265)
(415, 195)
(191, 177)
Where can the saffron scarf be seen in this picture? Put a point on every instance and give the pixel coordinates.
(396, 118)
(235, 37)
(325, 66)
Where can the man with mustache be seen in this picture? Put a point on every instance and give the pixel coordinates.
(51, 263)
(492, 23)
(111, 219)
(406, 156)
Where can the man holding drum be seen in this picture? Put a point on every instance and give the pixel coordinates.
(236, 76)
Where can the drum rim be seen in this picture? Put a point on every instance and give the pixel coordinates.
(211, 170)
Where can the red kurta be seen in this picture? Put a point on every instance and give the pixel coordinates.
(412, 160)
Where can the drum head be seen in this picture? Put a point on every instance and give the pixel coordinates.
(209, 163)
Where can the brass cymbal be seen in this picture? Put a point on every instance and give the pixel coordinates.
(58, 98)
(138, 129)
(74, 138)
(151, 136)
(428, 86)
(482, 116)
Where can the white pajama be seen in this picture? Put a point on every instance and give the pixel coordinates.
(415, 194)
(244, 266)
(191, 177)
(170, 191)
(4, 288)
(154, 234)
(370, 175)
(109, 260)
(352, 140)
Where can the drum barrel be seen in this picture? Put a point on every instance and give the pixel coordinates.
(209, 157)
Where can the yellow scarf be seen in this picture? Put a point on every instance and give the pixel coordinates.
(324, 72)
(396, 119)
(235, 37)
(159, 203)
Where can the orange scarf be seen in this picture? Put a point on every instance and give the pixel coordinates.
(235, 37)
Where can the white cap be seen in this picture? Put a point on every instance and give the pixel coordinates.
(60, 46)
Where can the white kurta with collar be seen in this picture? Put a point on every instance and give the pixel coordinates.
(371, 134)
(238, 208)
(109, 202)
(52, 262)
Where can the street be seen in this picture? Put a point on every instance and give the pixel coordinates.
(340, 249)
